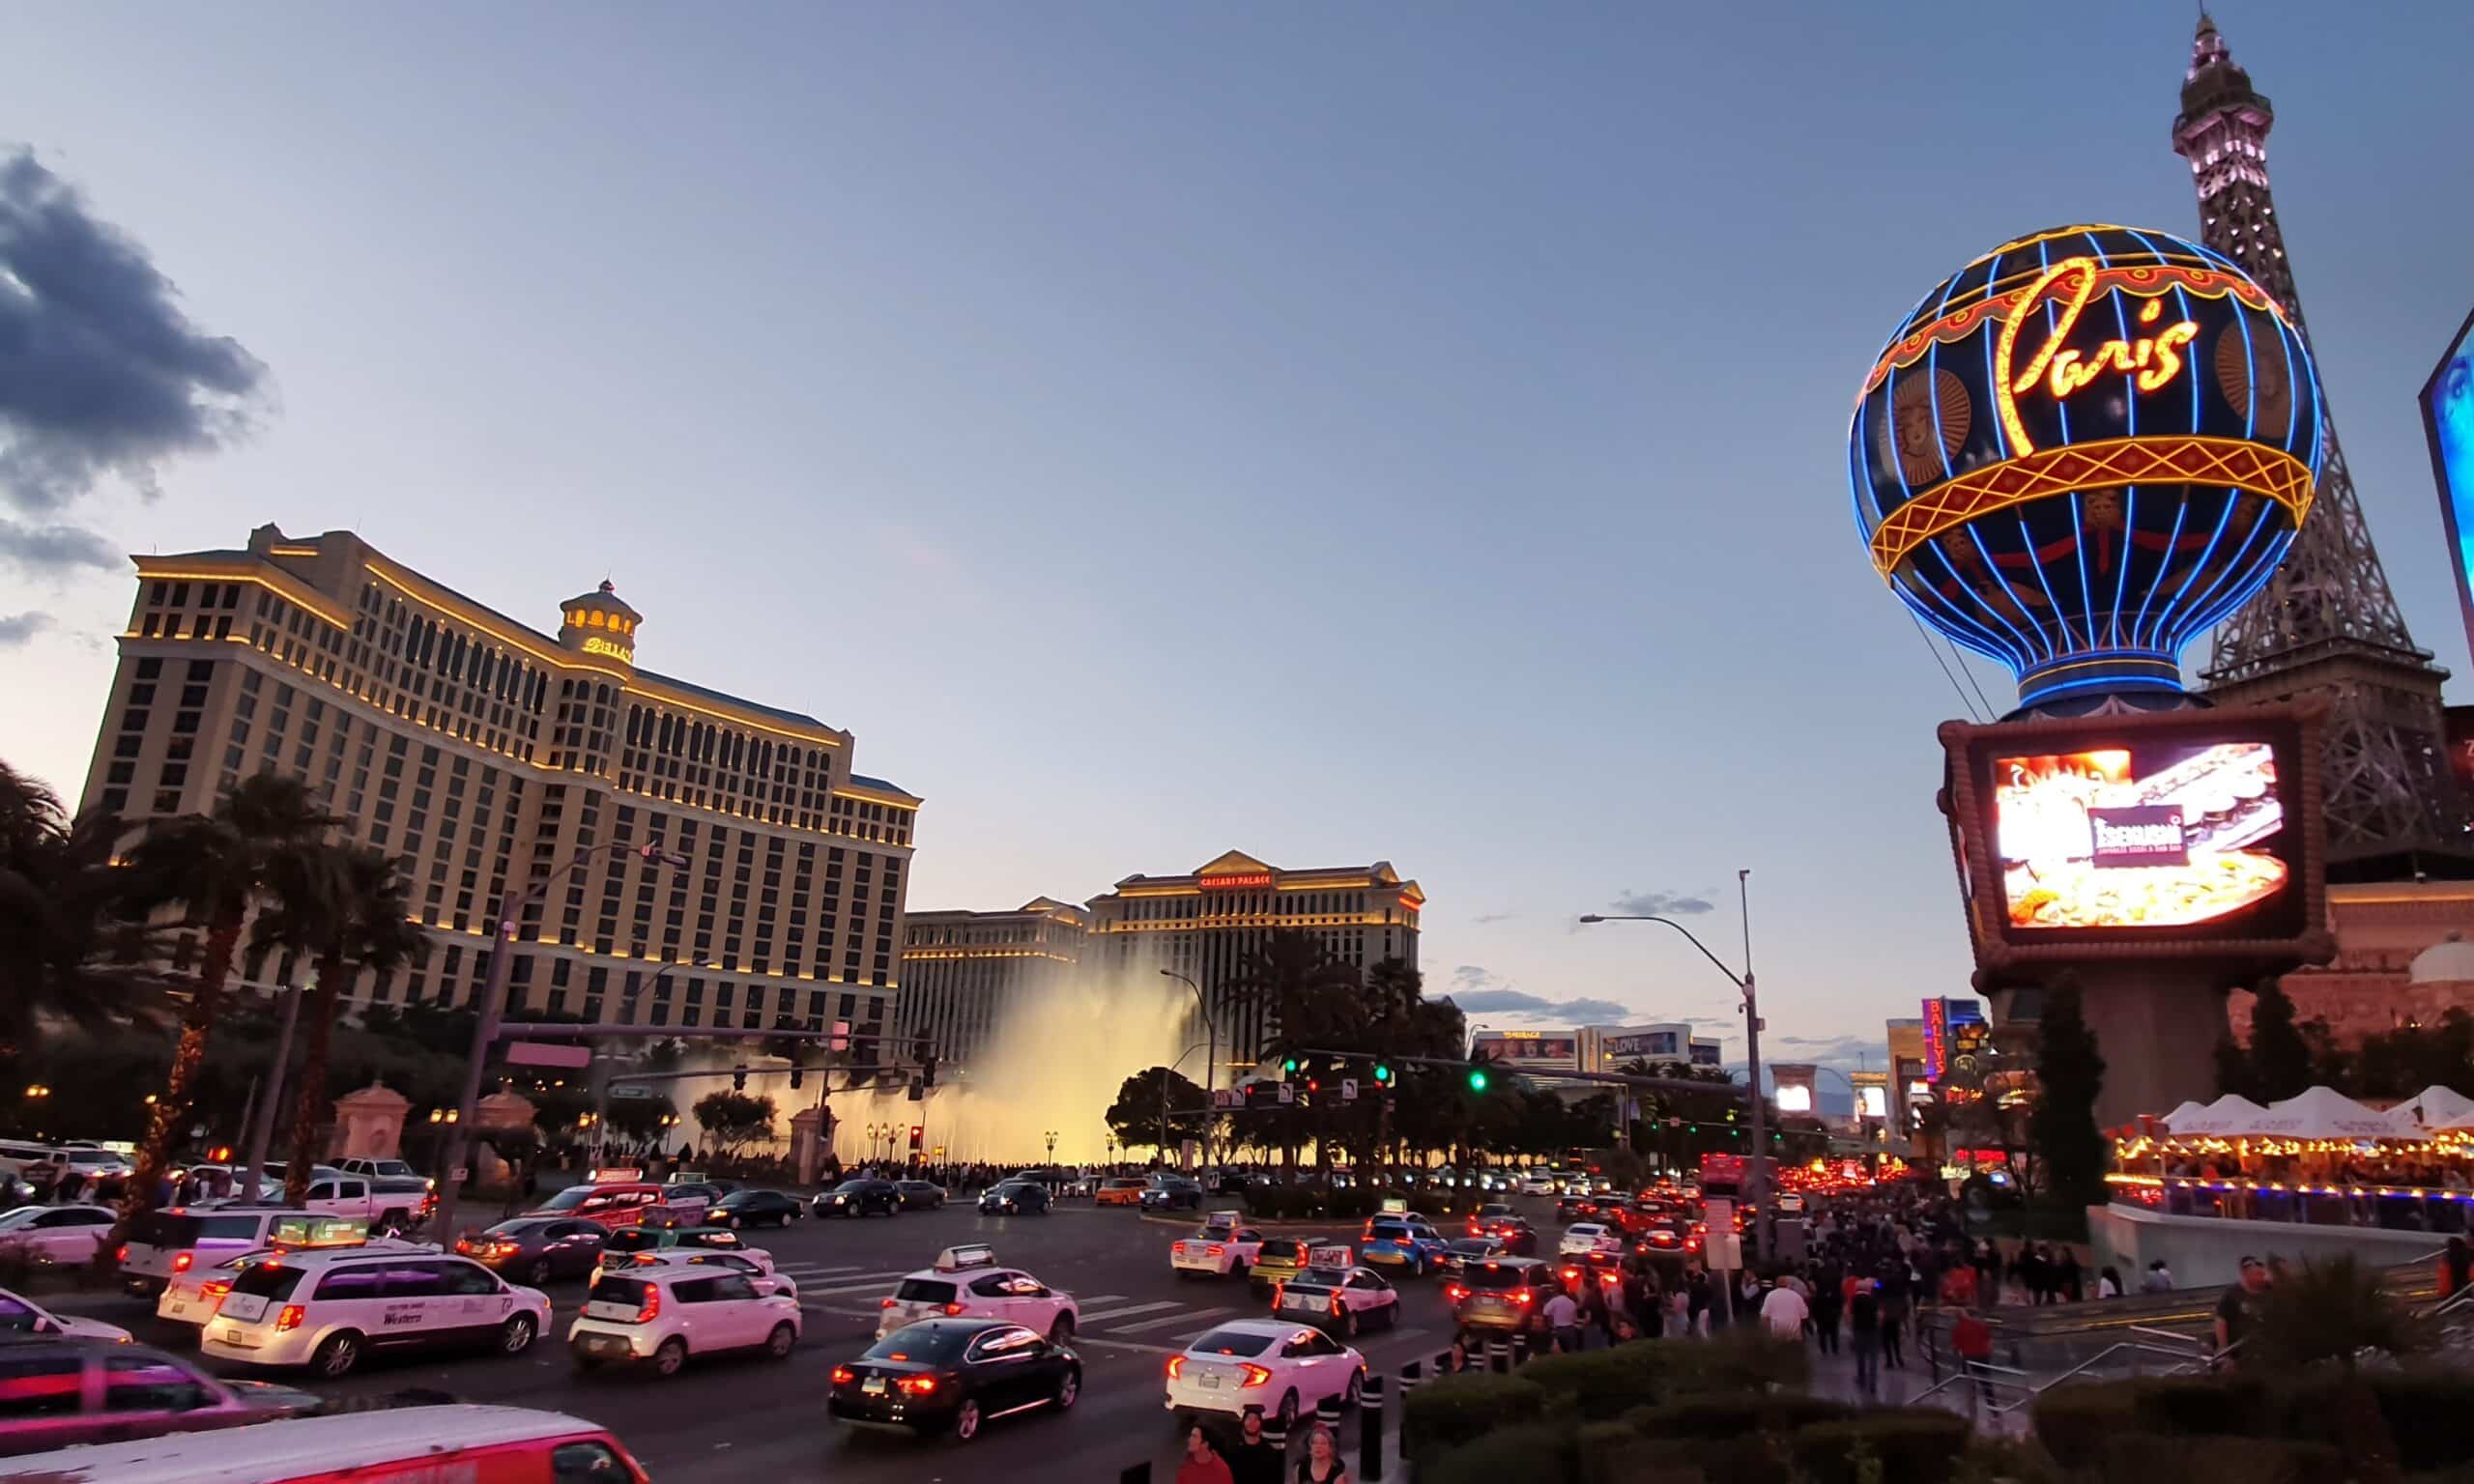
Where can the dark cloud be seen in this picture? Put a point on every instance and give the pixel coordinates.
(100, 372)
(1479, 992)
(1494, 917)
(54, 547)
(15, 631)
(1831, 1049)
(1662, 903)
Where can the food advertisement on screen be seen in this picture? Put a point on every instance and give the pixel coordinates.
(1517, 1046)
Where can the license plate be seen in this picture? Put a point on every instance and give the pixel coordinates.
(174, 1310)
(874, 1386)
(231, 1334)
(1209, 1379)
(606, 1344)
(244, 1308)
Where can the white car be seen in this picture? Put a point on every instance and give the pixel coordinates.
(1222, 1248)
(1791, 1204)
(163, 1244)
(60, 1236)
(329, 1309)
(1341, 1298)
(1537, 1184)
(20, 1314)
(659, 1315)
(1283, 1368)
(381, 1169)
(1583, 1236)
(751, 1262)
(966, 1282)
(192, 1296)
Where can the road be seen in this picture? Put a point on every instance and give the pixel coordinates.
(740, 1420)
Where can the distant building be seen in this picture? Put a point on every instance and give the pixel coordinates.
(1910, 1089)
(1207, 923)
(2401, 958)
(1611, 1047)
(967, 975)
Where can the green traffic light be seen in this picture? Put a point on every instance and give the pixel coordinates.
(1288, 1065)
(1477, 1079)
(1382, 1073)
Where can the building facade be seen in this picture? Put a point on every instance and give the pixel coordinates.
(486, 756)
(1910, 1089)
(1208, 921)
(967, 975)
(2395, 941)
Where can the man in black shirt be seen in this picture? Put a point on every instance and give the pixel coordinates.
(2237, 1313)
(1252, 1459)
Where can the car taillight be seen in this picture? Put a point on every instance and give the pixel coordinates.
(652, 1305)
(1215, 1250)
(1524, 1297)
(121, 1255)
(1255, 1375)
(463, 1244)
(1177, 1248)
(1336, 1305)
(1176, 1367)
(181, 1261)
(290, 1319)
(952, 1309)
(884, 1303)
(842, 1375)
(500, 1249)
(1278, 1291)
(918, 1385)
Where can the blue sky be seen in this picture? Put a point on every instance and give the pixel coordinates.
(1406, 432)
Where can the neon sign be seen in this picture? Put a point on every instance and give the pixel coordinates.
(1231, 883)
(595, 645)
(2151, 360)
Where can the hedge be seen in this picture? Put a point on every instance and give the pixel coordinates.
(2429, 1414)
(1722, 1416)
(1915, 1445)
(2073, 1420)
(1748, 1360)
(1460, 1409)
(2203, 1406)
(2148, 1457)
(1600, 1385)
(1535, 1453)
(1612, 1453)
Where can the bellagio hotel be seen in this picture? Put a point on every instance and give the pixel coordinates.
(485, 755)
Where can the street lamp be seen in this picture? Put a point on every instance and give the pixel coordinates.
(1199, 1045)
(1050, 1136)
(1211, 1055)
(1755, 1180)
(485, 1027)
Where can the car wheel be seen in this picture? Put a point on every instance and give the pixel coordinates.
(672, 1354)
(1289, 1410)
(515, 1336)
(1069, 1389)
(1356, 1386)
(1348, 1324)
(336, 1354)
(966, 1421)
(778, 1344)
(539, 1274)
(1237, 1270)
(1062, 1331)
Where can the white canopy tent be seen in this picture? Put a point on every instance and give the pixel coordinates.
(2232, 1116)
(2182, 1115)
(2323, 1113)
(2430, 1111)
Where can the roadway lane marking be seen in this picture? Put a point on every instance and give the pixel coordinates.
(1170, 1318)
(1137, 1308)
(1079, 1301)
(814, 1270)
(852, 1286)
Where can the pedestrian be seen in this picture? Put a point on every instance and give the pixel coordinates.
(1895, 1298)
(2456, 1266)
(1457, 1357)
(1698, 1303)
(1828, 1298)
(1679, 1310)
(1322, 1464)
(1783, 1312)
(2159, 1279)
(1973, 1341)
(1563, 1320)
(1202, 1463)
(1864, 1335)
(1253, 1460)
(2109, 1283)
(2237, 1313)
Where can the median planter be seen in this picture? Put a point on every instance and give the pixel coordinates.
(1456, 1410)
(1535, 1453)
(1912, 1446)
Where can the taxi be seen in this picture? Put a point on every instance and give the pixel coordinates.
(1280, 1258)
(484, 1444)
(327, 1310)
(752, 1262)
(191, 1296)
(1118, 1191)
(967, 1282)
(608, 1203)
(1221, 1248)
(663, 1227)
(1341, 1298)
(1406, 1242)
(1589, 1236)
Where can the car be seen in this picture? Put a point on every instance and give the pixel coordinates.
(402, 1202)
(967, 1282)
(66, 1392)
(1791, 1204)
(1589, 1236)
(1279, 1258)
(380, 1169)
(191, 1297)
(1284, 1368)
(756, 1207)
(1507, 1292)
(1344, 1300)
(920, 1194)
(329, 1309)
(954, 1376)
(1015, 1198)
(621, 1247)
(1537, 1184)
(753, 1262)
(1220, 1247)
(1576, 1273)
(655, 1315)
(22, 1316)
(1170, 1193)
(693, 1192)
(608, 1203)
(56, 1236)
(1575, 1207)
(163, 1244)
(1459, 1252)
(859, 1197)
(1670, 1237)
(1407, 1244)
(536, 1249)
(421, 1442)
(1119, 1190)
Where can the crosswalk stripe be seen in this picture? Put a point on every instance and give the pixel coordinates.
(1138, 1308)
(852, 1285)
(1080, 1299)
(812, 1270)
(1170, 1319)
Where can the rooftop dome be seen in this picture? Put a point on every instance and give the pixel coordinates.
(2448, 961)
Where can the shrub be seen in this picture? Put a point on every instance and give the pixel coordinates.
(1600, 1385)
(1701, 1417)
(1535, 1453)
(2073, 1421)
(1749, 1360)
(2430, 1414)
(1612, 1453)
(1460, 1408)
(1753, 1458)
(1919, 1445)
(2147, 1456)
(2201, 1406)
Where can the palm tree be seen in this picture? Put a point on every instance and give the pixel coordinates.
(1310, 998)
(215, 866)
(356, 918)
(69, 950)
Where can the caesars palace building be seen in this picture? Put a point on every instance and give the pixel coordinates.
(484, 756)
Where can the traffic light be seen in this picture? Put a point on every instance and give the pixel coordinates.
(1288, 1069)
(1383, 1073)
(739, 1077)
(1477, 1080)
(928, 1071)
(797, 1072)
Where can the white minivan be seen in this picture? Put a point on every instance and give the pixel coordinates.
(326, 1310)
(165, 1244)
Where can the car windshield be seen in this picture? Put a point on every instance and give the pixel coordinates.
(1390, 1231)
(1283, 1248)
(1230, 1342)
(16, 1316)
(921, 1342)
(739, 1198)
(514, 1229)
(632, 1238)
(1472, 1244)
(1496, 1276)
(268, 1280)
(854, 1184)
(611, 1290)
(568, 1199)
(924, 1291)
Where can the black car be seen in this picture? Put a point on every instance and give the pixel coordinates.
(532, 1250)
(858, 1197)
(920, 1194)
(1578, 1208)
(755, 1208)
(1170, 1195)
(952, 1376)
(1015, 1198)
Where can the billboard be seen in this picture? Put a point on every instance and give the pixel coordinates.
(1873, 1102)
(1648, 1045)
(1527, 1046)
(2189, 827)
(2448, 421)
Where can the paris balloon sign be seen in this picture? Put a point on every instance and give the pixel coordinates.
(2161, 834)
(2084, 449)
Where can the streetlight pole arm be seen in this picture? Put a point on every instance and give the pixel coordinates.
(1741, 981)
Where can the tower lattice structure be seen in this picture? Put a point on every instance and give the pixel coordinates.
(2326, 623)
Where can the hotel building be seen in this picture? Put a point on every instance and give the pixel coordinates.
(485, 756)
(1207, 923)
(966, 974)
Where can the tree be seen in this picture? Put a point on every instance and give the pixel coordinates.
(2280, 1057)
(2070, 1072)
(733, 1120)
(2234, 1076)
(2331, 1312)
(69, 949)
(1135, 1117)
(362, 921)
(1308, 997)
(215, 867)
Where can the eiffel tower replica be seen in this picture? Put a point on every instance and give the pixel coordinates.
(2326, 623)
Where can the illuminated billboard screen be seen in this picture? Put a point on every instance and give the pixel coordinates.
(2173, 831)
(1641, 1044)
(1530, 1048)
(1873, 1102)
(1795, 1099)
(2448, 420)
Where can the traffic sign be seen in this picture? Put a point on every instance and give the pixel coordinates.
(538, 1053)
(1349, 1089)
(1288, 1091)
(1228, 1097)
